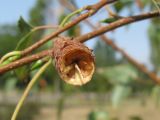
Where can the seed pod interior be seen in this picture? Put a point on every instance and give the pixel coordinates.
(74, 61)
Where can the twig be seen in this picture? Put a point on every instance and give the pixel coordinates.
(142, 68)
(45, 27)
(117, 24)
(25, 60)
(83, 38)
(92, 9)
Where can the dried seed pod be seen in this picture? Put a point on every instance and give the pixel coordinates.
(73, 60)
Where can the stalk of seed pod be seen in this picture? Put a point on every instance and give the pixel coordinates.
(73, 60)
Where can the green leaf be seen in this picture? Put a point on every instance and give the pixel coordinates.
(120, 5)
(24, 26)
(109, 20)
(61, 18)
(74, 31)
(26, 32)
(37, 64)
(9, 60)
(25, 41)
(23, 72)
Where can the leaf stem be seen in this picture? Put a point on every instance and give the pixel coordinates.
(30, 85)
(45, 27)
(65, 20)
(11, 54)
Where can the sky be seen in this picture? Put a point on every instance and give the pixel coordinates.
(133, 39)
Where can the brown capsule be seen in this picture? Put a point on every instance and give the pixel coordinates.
(74, 61)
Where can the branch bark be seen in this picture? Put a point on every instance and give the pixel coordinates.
(92, 9)
(25, 60)
(83, 38)
(109, 42)
(90, 35)
(117, 24)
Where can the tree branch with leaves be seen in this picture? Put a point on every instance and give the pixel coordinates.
(74, 61)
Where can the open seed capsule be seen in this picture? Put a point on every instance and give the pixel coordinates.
(74, 61)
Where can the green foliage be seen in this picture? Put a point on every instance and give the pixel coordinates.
(72, 32)
(37, 64)
(24, 27)
(25, 30)
(98, 115)
(37, 17)
(9, 37)
(10, 59)
(120, 5)
(25, 41)
(22, 73)
(109, 20)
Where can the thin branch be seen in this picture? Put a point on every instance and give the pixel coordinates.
(45, 27)
(92, 9)
(84, 38)
(25, 60)
(117, 24)
(142, 68)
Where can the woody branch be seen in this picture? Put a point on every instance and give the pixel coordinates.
(83, 38)
(109, 42)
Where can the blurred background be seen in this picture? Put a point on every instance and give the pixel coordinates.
(118, 90)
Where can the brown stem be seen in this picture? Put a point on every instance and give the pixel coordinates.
(142, 68)
(45, 27)
(88, 36)
(25, 60)
(117, 24)
(92, 9)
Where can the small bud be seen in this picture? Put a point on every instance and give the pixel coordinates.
(74, 61)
